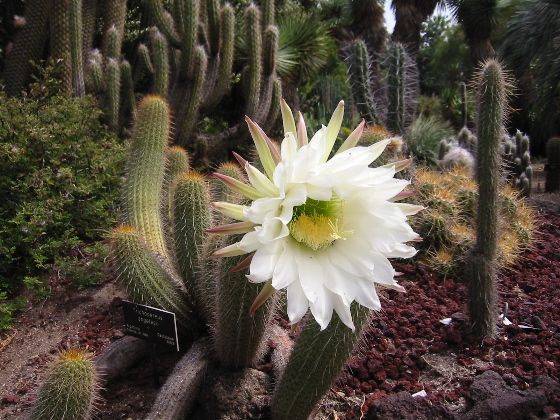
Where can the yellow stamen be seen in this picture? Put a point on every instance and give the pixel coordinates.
(316, 231)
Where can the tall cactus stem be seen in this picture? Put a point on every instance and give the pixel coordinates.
(191, 218)
(146, 170)
(268, 13)
(396, 85)
(238, 338)
(213, 13)
(113, 93)
(270, 49)
(161, 62)
(145, 59)
(129, 102)
(361, 82)
(76, 45)
(195, 98)
(89, 17)
(254, 37)
(28, 46)
(164, 21)
(492, 104)
(60, 42)
(114, 17)
(189, 38)
(227, 41)
(317, 359)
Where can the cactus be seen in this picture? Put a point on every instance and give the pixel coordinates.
(317, 359)
(145, 172)
(553, 165)
(492, 104)
(161, 62)
(113, 28)
(113, 93)
(147, 277)
(401, 79)
(190, 218)
(70, 390)
(361, 82)
(89, 15)
(444, 148)
(76, 45)
(60, 41)
(517, 158)
(204, 74)
(129, 98)
(28, 46)
(464, 103)
(467, 140)
(238, 337)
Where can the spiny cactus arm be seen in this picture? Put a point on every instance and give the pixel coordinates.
(111, 47)
(28, 46)
(70, 389)
(164, 22)
(254, 70)
(213, 13)
(194, 98)
(317, 359)
(191, 218)
(129, 102)
(360, 81)
(94, 81)
(237, 336)
(270, 50)
(177, 162)
(274, 111)
(114, 17)
(227, 38)
(396, 88)
(147, 281)
(89, 18)
(161, 62)
(76, 45)
(119, 356)
(492, 103)
(268, 13)
(145, 59)
(190, 14)
(60, 42)
(145, 172)
(113, 93)
(178, 395)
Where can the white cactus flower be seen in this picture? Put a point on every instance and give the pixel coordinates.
(323, 229)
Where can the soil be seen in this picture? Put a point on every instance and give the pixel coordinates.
(406, 347)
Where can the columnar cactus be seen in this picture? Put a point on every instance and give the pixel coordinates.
(517, 157)
(76, 47)
(28, 46)
(553, 165)
(401, 81)
(204, 73)
(60, 41)
(317, 359)
(492, 104)
(70, 390)
(359, 68)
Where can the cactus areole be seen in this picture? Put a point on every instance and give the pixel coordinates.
(323, 229)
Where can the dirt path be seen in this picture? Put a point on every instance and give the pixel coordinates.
(80, 319)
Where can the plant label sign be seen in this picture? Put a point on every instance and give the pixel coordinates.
(151, 324)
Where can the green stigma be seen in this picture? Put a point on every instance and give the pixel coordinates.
(316, 224)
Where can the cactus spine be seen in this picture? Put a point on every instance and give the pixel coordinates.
(70, 390)
(553, 165)
(317, 358)
(361, 82)
(492, 104)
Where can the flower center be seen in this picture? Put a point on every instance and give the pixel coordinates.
(316, 224)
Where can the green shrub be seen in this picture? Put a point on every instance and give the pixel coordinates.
(423, 137)
(59, 180)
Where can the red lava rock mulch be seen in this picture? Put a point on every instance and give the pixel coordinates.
(407, 348)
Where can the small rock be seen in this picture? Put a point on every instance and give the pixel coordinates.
(405, 406)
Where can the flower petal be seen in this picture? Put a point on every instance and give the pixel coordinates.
(353, 139)
(262, 142)
(287, 118)
(297, 302)
(333, 129)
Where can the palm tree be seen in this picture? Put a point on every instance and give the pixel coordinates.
(478, 18)
(409, 16)
(531, 48)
